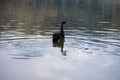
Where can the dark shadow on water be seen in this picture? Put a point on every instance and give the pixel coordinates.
(25, 56)
(60, 44)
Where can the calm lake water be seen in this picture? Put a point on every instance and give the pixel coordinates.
(91, 50)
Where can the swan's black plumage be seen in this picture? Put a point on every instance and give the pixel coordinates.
(57, 37)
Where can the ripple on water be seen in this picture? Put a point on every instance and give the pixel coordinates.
(39, 45)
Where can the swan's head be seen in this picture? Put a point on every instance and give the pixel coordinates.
(63, 22)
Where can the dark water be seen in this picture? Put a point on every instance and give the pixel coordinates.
(91, 50)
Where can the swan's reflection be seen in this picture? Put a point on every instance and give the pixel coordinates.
(60, 45)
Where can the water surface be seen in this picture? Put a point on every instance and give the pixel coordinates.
(91, 50)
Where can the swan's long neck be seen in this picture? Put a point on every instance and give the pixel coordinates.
(62, 31)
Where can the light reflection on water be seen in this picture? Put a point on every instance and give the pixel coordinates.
(92, 42)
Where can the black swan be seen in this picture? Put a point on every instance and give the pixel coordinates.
(57, 37)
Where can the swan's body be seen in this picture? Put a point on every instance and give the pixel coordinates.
(57, 37)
